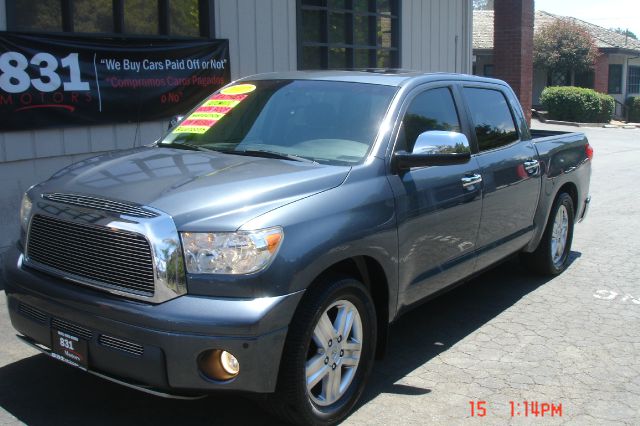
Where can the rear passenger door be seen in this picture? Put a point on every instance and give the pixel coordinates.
(438, 214)
(510, 173)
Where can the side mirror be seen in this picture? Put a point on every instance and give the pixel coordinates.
(435, 148)
(174, 121)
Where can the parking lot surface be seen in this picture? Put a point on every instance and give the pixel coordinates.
(569, 346)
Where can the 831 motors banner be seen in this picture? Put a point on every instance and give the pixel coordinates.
(56, 80)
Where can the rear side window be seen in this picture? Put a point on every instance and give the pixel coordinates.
(492, 119)
(430, 110)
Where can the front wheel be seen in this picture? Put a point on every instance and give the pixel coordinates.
(328, 354)
(552, 254)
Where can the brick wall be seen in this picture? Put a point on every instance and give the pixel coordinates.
(601, 74)
(513, 47)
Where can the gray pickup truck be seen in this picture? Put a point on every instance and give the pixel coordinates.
(267, 241)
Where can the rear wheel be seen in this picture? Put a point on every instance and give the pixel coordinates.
(552, 255)
(328, 354)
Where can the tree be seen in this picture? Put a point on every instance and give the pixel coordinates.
(564, 48)
(482, 4)
(625, 32)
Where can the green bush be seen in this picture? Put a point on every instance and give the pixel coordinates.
(633, 103)
(569, 103)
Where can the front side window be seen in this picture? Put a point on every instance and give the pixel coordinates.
(328, 122)
(634, 79)
(431, 110)
(347, 34)
(491, 117)
(615, 79)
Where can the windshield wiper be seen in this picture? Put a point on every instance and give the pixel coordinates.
(268, 154)
(184, 146)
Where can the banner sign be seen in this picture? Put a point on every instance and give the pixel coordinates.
(55, 81)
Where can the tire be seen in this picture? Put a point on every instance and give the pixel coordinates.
(551, 256)
(331, 300)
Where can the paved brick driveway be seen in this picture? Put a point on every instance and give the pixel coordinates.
(505, 336)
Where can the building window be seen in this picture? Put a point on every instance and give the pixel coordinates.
(633, 85)
(584, 79)
(179, 18)
(615, 79)
(339, 34)
(488, 70)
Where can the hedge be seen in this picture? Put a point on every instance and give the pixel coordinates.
(633, 102)
(569, 103)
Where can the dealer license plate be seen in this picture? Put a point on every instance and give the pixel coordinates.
(69, 348)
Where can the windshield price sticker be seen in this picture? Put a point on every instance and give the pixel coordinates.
(213, 109)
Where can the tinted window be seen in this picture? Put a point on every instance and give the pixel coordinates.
(491, 117)
(431, 110)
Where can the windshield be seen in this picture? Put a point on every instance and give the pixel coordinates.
(325, 121)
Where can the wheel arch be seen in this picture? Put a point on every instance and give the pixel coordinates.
(544, 212)
(371, 273)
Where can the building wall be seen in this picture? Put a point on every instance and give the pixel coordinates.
(436, 35)
(625, 61)
(261, 33)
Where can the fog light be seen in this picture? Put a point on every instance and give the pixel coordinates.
(229, 363)
(218, 364)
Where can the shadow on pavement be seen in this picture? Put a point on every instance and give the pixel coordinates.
(40, 391)
(436, 326)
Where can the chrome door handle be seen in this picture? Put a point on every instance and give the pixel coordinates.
(471, 180)
(532, 166)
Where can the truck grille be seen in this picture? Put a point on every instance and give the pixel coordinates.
(93, 255)
(121, 345)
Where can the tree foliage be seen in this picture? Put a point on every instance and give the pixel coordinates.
(563, 47)
(625, 32)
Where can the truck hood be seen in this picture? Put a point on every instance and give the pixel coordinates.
(202, 191)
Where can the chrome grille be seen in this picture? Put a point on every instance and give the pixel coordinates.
(121, 345)
(76, 330)
(94, 255)
(33, 313)
(100, 204)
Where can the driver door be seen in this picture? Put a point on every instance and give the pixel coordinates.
(438, 211)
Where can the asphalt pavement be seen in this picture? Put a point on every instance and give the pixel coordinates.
(568, 346)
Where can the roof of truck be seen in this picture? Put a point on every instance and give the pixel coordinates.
(387, 77)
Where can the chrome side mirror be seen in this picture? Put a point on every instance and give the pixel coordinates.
(435, 148)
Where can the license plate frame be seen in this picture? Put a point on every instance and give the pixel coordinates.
(70, 349)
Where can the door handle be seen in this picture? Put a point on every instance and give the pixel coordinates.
(532, 166)
(471, 180)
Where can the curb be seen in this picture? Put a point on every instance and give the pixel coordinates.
(605, 125)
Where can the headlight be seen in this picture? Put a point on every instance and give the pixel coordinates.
(240, 252)
(25, 211)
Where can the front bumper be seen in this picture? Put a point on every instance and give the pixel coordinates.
(171, 335)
